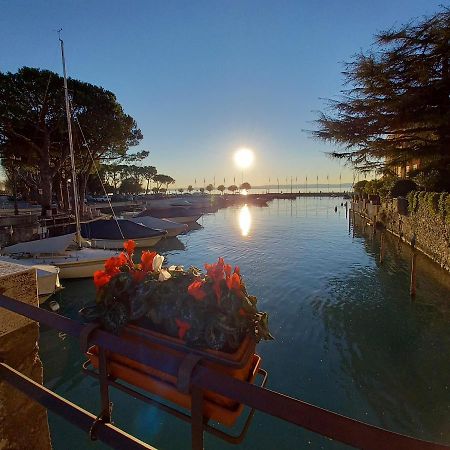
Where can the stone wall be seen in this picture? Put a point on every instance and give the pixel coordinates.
(431, 231)
(14, 229)
(23, 422)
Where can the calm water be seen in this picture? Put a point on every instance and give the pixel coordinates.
(348, 337)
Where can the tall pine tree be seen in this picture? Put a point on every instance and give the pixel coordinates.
(396, 105)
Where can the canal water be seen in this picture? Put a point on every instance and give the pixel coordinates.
(348, 336)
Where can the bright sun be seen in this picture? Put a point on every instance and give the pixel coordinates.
(243, 158)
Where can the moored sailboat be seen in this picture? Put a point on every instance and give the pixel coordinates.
(172, 228)
(72, 263)
(178, 214)
(110, 233)
(77, 262)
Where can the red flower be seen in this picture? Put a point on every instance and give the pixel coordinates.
(147, 260)
(129, 246)
(234, 282)
(220, 271)
(183, 327)
(237, 270)
(227, 270)
(216, 271)
(101, 278)
(195, 289)
(123, 259)
(112, 266)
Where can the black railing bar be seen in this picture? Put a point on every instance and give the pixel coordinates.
(197, 431)
(327, 423)
(106, 432)
(137, 395)
(335, 426)
(232, 439)
(152, 357)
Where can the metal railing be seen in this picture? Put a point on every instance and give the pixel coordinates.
(326, 423)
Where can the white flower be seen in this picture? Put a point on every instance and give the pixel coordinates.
(157, 263)
(164, 275)
(175, 269)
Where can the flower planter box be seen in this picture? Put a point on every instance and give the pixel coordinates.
(242, 364)
(212, 311)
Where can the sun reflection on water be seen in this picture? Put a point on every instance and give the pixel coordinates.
(245, 220)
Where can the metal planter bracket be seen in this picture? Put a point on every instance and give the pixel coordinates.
(185, 372)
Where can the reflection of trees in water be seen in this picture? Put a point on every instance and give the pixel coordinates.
(169, 244)
(393, 350)
(194, 226)
(397, 260)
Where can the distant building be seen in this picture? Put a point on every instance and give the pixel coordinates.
(403, 170)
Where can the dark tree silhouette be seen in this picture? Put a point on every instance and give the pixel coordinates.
(397, 106)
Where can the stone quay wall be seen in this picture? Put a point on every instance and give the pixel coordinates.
(23, 422)
(14, 229)
(416, 218)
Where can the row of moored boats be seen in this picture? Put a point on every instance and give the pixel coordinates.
(62, 257)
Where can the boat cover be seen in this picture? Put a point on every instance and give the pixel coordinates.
(50, 246)
(108, 229)
(159, 224)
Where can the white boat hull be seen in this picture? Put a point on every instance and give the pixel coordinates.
(175, 232)
(172, 228)
(79, 269)
(184, 219)
(82, 263)
(72, 264)
(118, 244)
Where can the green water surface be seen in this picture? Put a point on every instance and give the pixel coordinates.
(348, 337)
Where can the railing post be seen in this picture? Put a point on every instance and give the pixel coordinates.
(104, 386)
(197, 418)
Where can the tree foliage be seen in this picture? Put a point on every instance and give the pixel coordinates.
(33, 126)
(130, 186)
(360, 186)
(162, 180)
(396, 106)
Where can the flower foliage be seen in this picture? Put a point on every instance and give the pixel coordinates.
(206, 311)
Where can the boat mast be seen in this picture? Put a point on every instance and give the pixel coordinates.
(72, 157)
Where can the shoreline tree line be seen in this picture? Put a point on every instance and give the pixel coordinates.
(34, 147)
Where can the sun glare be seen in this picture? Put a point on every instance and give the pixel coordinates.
(243, 158)
(245, 220)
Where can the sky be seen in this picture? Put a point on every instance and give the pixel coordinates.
(204, 78)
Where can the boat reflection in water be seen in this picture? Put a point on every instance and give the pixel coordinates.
(245, 220)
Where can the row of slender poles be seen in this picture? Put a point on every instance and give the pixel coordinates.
(268, 186)
(413, 264)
